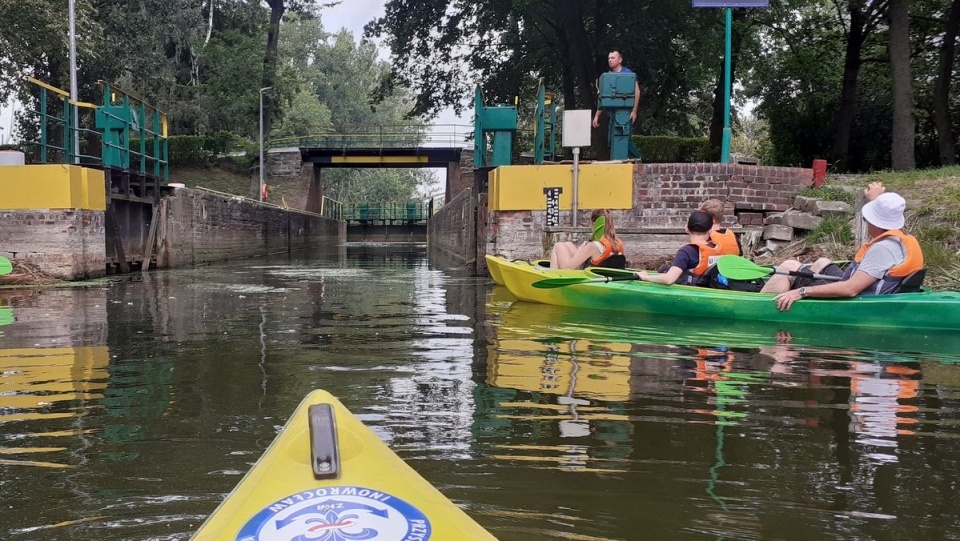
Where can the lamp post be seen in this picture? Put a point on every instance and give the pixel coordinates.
(263, 165)
(73, 80)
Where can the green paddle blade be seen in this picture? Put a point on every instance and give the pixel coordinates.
(6, 315)
(739, 268)
(5, 266)
(599, 227)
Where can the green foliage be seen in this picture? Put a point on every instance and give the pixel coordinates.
(662, 149)
(835, 230)
(829, 193)
(189, 151)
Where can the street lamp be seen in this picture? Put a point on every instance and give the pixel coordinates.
(263, 165)
(73, 79)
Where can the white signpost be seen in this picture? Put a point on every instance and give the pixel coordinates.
(576, 134)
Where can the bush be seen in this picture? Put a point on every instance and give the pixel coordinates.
(663, 149)
(189, 151)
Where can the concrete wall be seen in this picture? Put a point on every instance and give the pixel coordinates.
(663, 195)
(62, 243)
(452, 232)
(199, 227)
(52, 219)
(415, 233)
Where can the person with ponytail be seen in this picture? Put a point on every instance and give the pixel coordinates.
(603, 250)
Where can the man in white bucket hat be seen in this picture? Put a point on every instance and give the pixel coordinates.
(879, 267)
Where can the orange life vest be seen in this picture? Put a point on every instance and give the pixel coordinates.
(726, 241)
(891, 280)
(709, 252)
(608, 250)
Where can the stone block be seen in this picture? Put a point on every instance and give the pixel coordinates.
(773, 246)
(804, 203)
(801, 220)
(775, 219)
(778, 232)
(832, 209)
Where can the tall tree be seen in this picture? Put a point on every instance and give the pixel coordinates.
(941, 99)
(862, 19)
(904, 122)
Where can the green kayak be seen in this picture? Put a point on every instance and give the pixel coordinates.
(529, 321)
(924, 310)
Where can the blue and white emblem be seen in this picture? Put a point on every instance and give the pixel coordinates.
(344, 513)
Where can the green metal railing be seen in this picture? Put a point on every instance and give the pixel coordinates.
(123, 117)
(59, 126)
(389, 212)
(122, 121)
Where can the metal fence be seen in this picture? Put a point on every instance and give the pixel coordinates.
(388, 212)
(125, 132)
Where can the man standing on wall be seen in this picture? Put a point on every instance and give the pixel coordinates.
(615, 61)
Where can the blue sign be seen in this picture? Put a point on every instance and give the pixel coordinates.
(731, 3)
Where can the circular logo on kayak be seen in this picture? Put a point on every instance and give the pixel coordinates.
(343, 513)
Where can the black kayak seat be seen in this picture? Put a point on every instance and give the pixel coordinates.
(913, 282)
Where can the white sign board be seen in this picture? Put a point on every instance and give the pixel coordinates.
(576, 128)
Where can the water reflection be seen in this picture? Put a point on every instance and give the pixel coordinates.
(799, 428)
(129, 409)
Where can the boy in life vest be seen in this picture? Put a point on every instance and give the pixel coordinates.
(604, 250)
(879, 267)
(692, 261)
(725, 239)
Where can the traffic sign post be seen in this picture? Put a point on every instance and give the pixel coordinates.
(728, 5)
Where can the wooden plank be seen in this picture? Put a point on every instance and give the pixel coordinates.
(151, 239)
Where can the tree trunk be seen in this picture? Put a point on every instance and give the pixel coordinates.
(583, 63)
(904, 123)
(277, 9)
(848, 92)
(941, 93)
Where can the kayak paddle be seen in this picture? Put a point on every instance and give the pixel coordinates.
(739, 268)
(550, 283)
(5, 266)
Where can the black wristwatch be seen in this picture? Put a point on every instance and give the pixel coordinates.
(803, 292)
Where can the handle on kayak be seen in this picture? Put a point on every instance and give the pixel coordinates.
(324, 445)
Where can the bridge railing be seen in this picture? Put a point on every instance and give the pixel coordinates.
(382, 137)
(388, 212)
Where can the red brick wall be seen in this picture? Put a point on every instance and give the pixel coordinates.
(666, 193)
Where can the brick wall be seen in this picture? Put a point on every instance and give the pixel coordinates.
(201, 227)
(664, 195)
(64, 243)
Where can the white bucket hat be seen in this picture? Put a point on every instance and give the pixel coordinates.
(886, 211)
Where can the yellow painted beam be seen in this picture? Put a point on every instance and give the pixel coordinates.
(51, 186)
(379, 159)
(520, 187)
(51, 88)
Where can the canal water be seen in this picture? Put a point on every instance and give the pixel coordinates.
(129, 408)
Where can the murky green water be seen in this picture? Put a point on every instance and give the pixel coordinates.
(128, 410)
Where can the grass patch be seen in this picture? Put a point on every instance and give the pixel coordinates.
(829, 193)
(831, 230)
